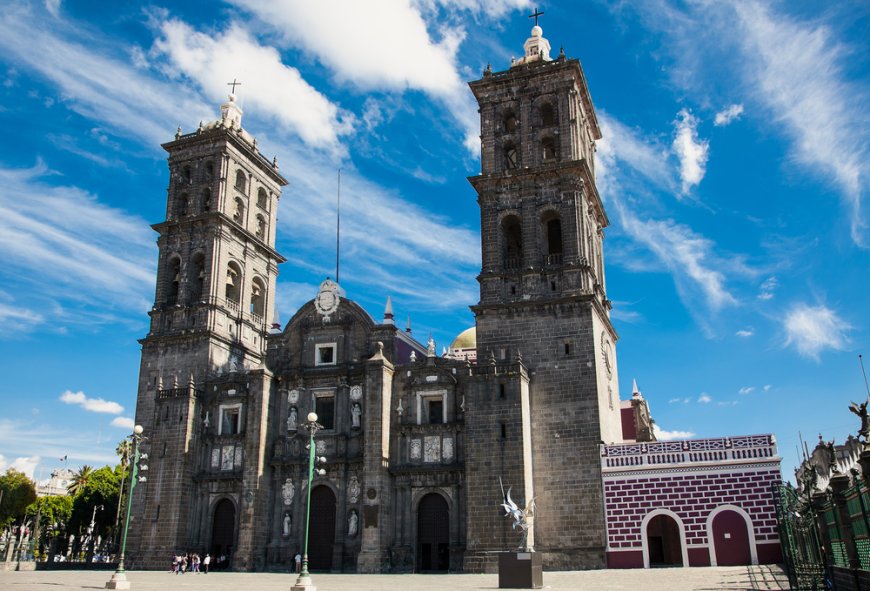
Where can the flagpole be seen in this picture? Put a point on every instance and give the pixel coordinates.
(337, 226)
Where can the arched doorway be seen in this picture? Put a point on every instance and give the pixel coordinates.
(663, 541)
(321, 536)
(731, 539)
(223, 533)
(433, 534)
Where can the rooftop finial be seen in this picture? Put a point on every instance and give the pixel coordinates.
(388, 311)
(536, 47)
(234, 83)
(535, 15)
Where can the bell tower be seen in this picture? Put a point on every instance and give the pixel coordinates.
(213, 308)
(543, 294)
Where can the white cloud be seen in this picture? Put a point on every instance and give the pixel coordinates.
(269, 86)
(26, 465)
(85, 250)
(53, 7)
(691, 152)
(15, 320)
(124, 422)
(745, 333)
(818, 111)
(728, 403)
(704, 398)
(27, 438)
(393, 49)
(746, 390)
(727, 115)
(812, 329)
(663, 435)
(91, 404)
(491, 8)
(767, 288)
(767, 387)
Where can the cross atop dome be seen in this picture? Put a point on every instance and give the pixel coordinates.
(536, 47)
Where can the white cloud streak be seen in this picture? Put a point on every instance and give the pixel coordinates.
(745, 333)
(663, 435)
(123, 422)
(91, 404)
(727, 115)
(25, 465)
(814, 329)
(704, 398)
(691, 151)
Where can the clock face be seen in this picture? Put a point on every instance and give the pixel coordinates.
(607, 353)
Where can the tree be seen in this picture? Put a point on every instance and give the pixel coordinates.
(124, 451)
(18, 492)
(80, 480)
(102, 488)
(51, 510)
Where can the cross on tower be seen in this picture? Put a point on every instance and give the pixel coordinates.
(234, 83)
(535, 16)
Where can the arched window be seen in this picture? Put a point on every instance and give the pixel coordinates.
(185, 174)
(510, 122)
(512, 242)
(174, 275)
(197, 277)
(239, 214)
(552, 239)
(548, 149)
(511, 157)
(258, 297)
(548, 115)
(209, 171)
(206, 199)
(233, 290)
(261, 227)
(262, 198)
(183, 204)
(241, 181)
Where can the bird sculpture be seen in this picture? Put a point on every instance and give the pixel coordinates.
(522, 517)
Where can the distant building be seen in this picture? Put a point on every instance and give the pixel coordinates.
(56, 485)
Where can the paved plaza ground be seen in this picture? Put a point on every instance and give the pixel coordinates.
(659, 579)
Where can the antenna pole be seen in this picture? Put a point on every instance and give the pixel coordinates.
(861, 361)
(337, 225)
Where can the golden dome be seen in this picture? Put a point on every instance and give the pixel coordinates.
(467, 339)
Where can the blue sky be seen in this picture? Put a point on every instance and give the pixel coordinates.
(734, 169)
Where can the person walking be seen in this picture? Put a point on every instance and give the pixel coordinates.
(298, 559)
(205, 562)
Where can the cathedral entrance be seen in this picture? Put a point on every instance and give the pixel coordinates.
(321, 537)
(433, 534)
(223, 533)
(663, 541)
(731, 539)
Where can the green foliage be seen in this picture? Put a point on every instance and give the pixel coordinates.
(51, 510)
(80, 480)
(102, 488)
(18, 492)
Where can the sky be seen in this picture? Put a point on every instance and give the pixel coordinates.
(734, 170)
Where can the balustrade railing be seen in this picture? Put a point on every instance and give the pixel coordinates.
(691, 451)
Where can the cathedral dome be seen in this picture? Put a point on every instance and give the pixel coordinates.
(467, 339)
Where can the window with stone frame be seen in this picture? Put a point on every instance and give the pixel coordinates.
(239, 213)
(547, 114)
(324, 406)
(512, 242)
(262, 199)
(261, 227)
(241, 181)
(548, 149)
(197, 277)
(230, 419)
(431, 408)
(209, 171)
(174, 275)
(325, 354)
(232, 291)
(183, 204)
(510, 122)
(258, 294)
(511, 157)
(206, 199)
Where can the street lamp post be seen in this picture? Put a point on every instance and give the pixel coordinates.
(119, 578)
(303, 582)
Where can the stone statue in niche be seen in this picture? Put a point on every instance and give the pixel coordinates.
(287, 491)
(353, 490)
(356, 412)
(288, 523)
(352, 523)
(291, 419)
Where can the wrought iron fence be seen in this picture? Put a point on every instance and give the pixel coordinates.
(799, 535)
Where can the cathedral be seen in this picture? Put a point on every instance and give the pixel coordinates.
(414, 443)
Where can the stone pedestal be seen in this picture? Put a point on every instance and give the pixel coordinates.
(118, 581)
(520, 570)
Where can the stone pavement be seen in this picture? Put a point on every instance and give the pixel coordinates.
(659, 579)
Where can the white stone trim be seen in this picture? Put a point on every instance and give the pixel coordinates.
(684, 549)
(422, 395)
(753, 552)
(226, 407)
(736, 467)
(318, 347)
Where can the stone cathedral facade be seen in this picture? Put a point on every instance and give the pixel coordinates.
(415, 443)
